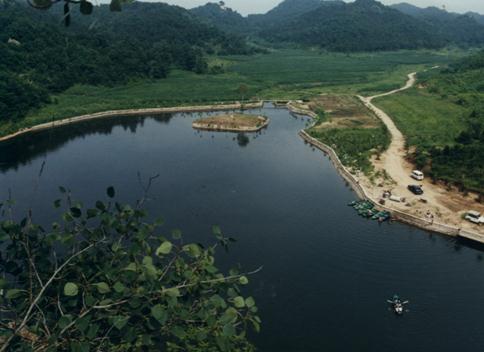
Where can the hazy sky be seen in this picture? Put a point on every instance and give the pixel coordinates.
(261, 6)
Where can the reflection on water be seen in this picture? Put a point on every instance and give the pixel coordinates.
(327, 272)
(21, 150)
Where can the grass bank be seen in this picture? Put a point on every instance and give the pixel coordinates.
(281, 74)
(424, 118)
(353, 132)
(443, 122)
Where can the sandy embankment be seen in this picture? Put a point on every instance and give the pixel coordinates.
(445, 207)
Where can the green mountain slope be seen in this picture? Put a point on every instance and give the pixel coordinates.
(39, 55)
(451, 27)
(364, 25)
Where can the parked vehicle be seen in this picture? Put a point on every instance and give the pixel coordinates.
(417, 175)
(475, 217)
(397, 199)
(415, 189)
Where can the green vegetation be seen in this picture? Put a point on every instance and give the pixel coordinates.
(424, 118)
(282, 74)
(106, 279)
(355, 146)
(350, 129)
(297, 73)
(361, 25)
(443, 122)
(42, 57)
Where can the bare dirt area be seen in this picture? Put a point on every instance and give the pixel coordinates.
(232, 122)
(343, 111)
(438, 203)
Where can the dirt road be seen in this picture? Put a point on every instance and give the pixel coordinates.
(446, 206)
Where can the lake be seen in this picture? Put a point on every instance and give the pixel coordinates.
(327, 273)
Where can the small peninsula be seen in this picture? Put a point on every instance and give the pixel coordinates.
(232, 123)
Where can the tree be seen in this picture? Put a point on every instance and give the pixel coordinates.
(243, 90)
(105, 279)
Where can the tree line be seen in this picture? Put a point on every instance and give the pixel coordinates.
(40, 56)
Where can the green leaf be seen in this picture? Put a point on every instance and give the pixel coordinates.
(176, 234)
(62, 189)
(110, 191)
(193, 250)
(86, 7)
(80, 346)
(103, 287)
(92, 332)
(243, 280)
(57, 203)
(120, 321)
(159, 313)
(119, 287)
(173, 292)
(239, 302)
(216, 230)
(228, 330)
(83, 323)
(71, 289)
(229, 316)
(249, 302)
(131, 267)
(64, 321)
(164, 248)
(13, 293)
(92, 213)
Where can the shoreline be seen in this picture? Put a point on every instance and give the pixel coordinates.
(131, 112)
(352, 180)
(364, 194)
(218, 128)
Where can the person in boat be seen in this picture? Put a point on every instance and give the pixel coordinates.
(397, 305)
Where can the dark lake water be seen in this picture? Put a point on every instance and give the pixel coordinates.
(327, 272)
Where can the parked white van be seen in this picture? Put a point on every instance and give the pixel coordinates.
(418, 175)
(475, 217)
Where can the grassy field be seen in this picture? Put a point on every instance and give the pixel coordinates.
(443, 122)
(425, 119)
(295, 73)
(351, 130)
(283, 74)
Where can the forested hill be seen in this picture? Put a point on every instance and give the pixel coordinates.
(39, 55)
(363, 25)
(223, 17)
(476, 16)
(288, 10)
(452, 27)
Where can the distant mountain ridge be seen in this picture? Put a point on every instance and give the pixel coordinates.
(452, 27)
(363, 25)
(222, 17)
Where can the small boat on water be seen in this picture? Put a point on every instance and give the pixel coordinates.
(397, 305)
(367, 209)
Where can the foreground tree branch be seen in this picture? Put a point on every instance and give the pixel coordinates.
(106, 279)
